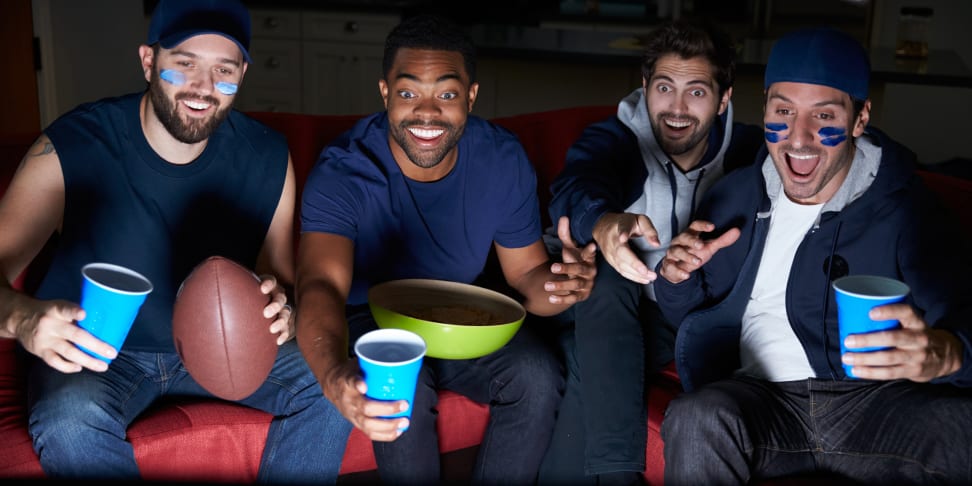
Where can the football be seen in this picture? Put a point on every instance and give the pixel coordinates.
(219, 329)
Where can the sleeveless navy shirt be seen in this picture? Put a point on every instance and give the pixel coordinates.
(127, 206)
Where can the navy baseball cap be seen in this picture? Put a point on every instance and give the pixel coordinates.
(174, 21)
(824, 56)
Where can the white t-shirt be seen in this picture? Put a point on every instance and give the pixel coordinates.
(769, 349)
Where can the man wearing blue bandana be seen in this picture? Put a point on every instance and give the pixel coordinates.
(157, 181)
(758, 346)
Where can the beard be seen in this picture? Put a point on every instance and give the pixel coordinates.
(679, 147)
(425, 159)
(186, 131)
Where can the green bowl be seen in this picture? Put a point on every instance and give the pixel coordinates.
(451, 317)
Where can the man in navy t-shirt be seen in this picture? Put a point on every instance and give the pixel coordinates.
(157, 182)
(423, 190)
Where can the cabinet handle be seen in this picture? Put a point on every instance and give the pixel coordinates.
(273, 62)
(351, 26)
(271, 22)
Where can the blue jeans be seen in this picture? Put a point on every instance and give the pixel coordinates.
(742, 429)
(78, 421)
(522, 382)
(619, 338)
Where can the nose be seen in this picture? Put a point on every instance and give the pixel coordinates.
(427, 106)
(201, 81)
(801, 132)
(679, 103)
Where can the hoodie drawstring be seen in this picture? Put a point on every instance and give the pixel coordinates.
(695, 194)
(674, 187)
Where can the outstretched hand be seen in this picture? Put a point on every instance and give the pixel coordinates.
(577, 268)
(614, 231)
(688, 251)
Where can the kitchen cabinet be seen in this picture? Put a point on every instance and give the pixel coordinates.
(315, 62)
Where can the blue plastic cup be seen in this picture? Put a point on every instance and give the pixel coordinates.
(390, 360)
(856, 295)
(111, 296)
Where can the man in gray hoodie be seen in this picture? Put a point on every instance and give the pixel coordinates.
(630, 183)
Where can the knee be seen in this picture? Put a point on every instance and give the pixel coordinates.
(537, 379)
(700, 412)
(57, 425)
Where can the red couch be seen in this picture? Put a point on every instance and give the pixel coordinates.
(209, 440)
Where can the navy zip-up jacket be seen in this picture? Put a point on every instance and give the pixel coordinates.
(896, 229)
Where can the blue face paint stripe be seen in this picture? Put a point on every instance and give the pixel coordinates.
(173, 77)
(773, 137)
(226, 88)
(832, 136)
(178, 78)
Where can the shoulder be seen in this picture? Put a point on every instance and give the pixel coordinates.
(97, 117)
(247, 131)
(493, 143)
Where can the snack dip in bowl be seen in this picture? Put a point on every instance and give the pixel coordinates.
(456, 320)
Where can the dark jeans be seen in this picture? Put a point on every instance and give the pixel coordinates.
(522, 382)
(78, 421)
(619, 338)
(742, 429)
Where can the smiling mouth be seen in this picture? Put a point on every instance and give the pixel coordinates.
(196, 105)
(677, 124)
(802, 164)
(426, 133)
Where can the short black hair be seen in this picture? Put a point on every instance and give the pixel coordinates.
(687, 41)
(432, 32)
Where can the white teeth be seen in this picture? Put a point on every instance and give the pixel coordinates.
(426, 133)
(677, 124)
(800, 157)
(196, 105)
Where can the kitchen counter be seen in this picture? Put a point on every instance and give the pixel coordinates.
(613, 46)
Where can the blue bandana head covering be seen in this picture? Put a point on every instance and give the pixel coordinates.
(823, 56)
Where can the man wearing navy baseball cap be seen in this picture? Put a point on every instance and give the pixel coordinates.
(157, 181)
(768, 392)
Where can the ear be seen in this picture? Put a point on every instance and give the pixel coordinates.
(383, 89)
(473, 92)
(147, 58)
(724, 102)
(862, 118)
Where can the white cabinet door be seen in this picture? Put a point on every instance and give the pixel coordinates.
(341, 79)
(273, 80)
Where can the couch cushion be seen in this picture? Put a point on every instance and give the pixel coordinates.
(209, 440)
(546, 136)
(17, 458)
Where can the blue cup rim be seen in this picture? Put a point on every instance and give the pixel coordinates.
(119, 269)
(390, 335)
(853, 285)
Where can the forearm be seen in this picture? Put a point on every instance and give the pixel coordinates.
(321, 330)
(12, 303)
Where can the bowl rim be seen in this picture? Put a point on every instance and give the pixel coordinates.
(429, 283)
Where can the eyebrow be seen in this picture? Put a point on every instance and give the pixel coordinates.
(192, 55)
(829, 102)
(444, 77)
(702, 81)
